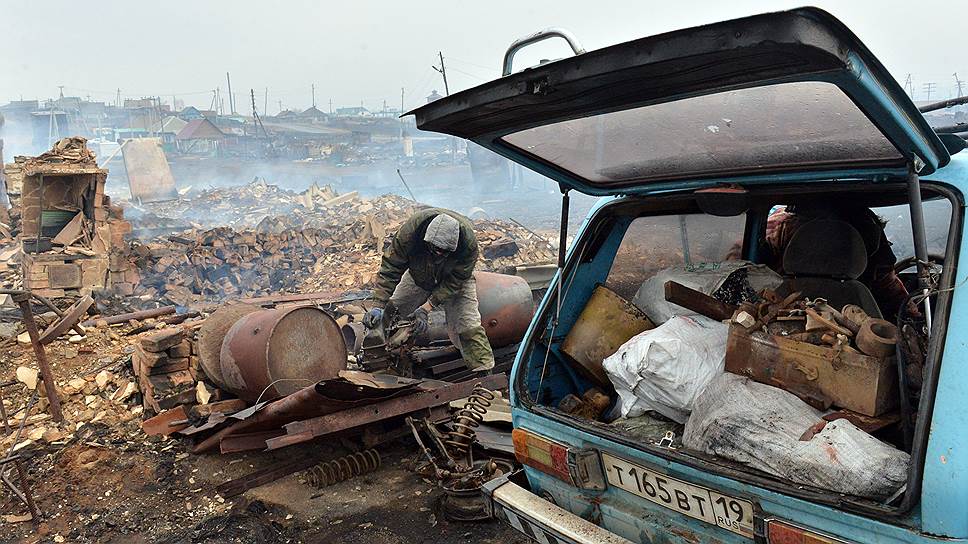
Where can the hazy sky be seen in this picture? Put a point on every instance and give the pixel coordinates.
(366, 51)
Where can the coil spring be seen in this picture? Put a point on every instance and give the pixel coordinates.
(469, 418)
(343, 468)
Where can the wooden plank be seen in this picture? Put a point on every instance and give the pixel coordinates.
(698, 302)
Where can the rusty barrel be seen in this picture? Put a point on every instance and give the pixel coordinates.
(274, 353)
(506, 307)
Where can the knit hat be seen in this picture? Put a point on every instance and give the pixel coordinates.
(443, 232)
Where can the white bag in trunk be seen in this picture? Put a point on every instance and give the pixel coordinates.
(665, 368)
(760, 426)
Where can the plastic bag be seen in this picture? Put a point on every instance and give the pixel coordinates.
(704, 277)
(760, 426)
(665, 368)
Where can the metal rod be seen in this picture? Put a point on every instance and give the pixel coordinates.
(943, 104)
(920, 239)
(407, 186)
(684, 235)
(41, 355)
(563, 233)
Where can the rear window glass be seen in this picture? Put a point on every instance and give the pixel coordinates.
(655, 243)
(778, 126)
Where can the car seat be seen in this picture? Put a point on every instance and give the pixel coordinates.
(823, 260)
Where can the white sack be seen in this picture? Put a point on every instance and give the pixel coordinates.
(760, 426)
(703, 277)
(665, 368)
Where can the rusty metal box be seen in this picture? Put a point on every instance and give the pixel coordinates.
(822, 376)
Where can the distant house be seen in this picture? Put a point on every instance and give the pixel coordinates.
(191, 113)
(199, 137)
(230, 126)
(287, 114)
(355, 111)
(168, 129)
(314, 115)
(434, 95)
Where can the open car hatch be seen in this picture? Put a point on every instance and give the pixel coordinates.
(792, 92)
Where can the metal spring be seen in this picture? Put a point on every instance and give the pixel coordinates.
(469, 418)
(343, 468)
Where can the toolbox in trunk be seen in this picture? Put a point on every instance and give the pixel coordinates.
(821, 375)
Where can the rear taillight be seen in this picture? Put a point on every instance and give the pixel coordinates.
(578, 467)
(778, 532)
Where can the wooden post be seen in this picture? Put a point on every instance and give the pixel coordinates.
(55, 408)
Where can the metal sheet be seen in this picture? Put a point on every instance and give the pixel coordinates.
(305, 430)
(349, 390)
(149, 176)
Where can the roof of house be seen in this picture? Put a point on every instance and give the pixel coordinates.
(355, 110)
(170, 125)
(200, 129)
(313, 111)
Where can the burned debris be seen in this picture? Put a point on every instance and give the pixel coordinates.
(230, 319)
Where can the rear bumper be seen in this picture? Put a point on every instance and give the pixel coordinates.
(538, 518)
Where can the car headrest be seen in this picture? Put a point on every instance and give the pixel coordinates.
(826, 248)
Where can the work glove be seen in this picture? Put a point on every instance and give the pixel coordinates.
(421, 321)
(373, 318)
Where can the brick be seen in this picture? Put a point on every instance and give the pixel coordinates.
(172, 365)
(123, 288)
(184, 349)
(148, 359)
(50, 293)
(183, 398)
(162, 340)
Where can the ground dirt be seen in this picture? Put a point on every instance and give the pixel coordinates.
(108, 482)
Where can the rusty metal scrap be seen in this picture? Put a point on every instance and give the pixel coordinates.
(343, 468)
(438, 393)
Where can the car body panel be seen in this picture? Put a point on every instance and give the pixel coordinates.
(805, 45)
(944, 496)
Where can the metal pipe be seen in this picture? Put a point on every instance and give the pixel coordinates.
(563, 232)
(538, 36)
(28, 315)
(920, 239)
(943, 104)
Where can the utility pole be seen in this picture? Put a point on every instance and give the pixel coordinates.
(401, 100)
(280, 106)
(265, 103)
(443, 72)
(928, 89)
(314, 94)
(909, 86)
(118, 101)
(228, 82)
(958, 83)
(61, 87)
(331, 106)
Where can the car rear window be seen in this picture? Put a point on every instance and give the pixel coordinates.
(786, 125)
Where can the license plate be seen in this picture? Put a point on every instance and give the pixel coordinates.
(732, 514)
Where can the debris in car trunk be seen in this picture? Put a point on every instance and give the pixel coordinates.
(762, 426)
(606, 322)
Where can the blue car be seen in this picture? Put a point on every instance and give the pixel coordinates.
(693, 139)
